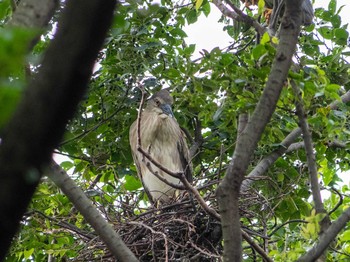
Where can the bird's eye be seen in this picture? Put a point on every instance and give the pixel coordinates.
(157, 102)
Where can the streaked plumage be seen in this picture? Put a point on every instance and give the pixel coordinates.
(164, 140)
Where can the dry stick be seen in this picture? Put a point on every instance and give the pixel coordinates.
(154, 232)
(177, 186)
(201, 201)
(256, 247)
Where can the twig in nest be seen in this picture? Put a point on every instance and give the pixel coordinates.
(154, 232)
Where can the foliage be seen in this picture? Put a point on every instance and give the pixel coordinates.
(146, 45)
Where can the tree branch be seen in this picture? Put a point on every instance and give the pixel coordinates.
(285, 146)
(51, 98)
(84, 205)
(33, 14)
(238, 15)
(310, 155)
(229, 188)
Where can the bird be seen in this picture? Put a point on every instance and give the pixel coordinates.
(162, 138)
(276, 6)
(307, 12)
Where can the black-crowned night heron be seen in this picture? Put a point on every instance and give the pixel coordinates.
(163, 139)
(307, 12)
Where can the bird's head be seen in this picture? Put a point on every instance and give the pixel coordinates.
(161, 103)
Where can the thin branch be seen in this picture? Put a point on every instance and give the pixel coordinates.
(326, 238)
(63, 224)
(340, 202)
(238, 15)
(154, 232)
(256, 247)
(200, 200)
(286, 223)
(310, 155)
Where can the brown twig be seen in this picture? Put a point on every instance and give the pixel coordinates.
(238, 15)
(154, 232)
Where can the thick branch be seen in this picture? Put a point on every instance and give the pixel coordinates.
(33, 14)
(265, 163)
(229, 188)
(84, 205)
(285, 147)
(326, 238)
(49, 101)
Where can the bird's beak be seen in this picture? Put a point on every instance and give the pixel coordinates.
(167, 110)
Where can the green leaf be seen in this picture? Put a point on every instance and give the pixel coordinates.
(345, 236)
(198, 4)
(66, 165)
(191, 17)
(131, 183)
(258, 51)
(341, 36)
(280, 177)
(178, 32)
(332, 6)
(172, 73)
(189, 49)
(5, 9)
(326, 32)
(261, 6)
(28, 253)
(206, 9)
(336, 21)
(265, 38)
(226, 59)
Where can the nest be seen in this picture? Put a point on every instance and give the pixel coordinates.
(178, 232)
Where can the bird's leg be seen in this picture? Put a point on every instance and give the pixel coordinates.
(277, 7)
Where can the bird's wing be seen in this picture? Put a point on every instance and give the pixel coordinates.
(137, 156)
(185, 157)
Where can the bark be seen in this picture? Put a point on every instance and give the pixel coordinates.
(33, 14)
(229, 188)
(84, 205)
(49, 101)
